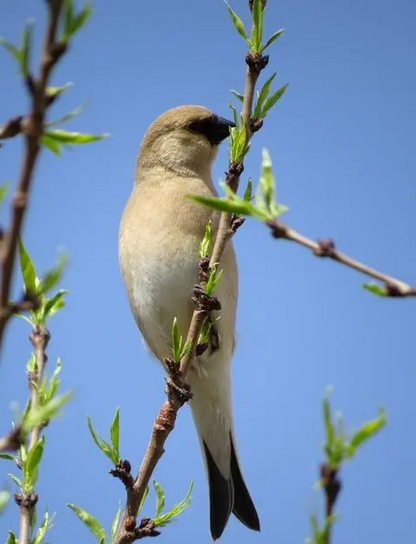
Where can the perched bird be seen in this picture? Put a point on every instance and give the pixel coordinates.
(159, 239)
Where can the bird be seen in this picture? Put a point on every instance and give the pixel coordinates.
(159, 239)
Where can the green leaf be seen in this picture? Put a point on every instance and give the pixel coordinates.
(223, 204)
(160, 498)
(7, 457)
(67, 17)
(11, 539)
(257, 29)
(115, 431)
(28, 270)
(43, 529)
(145, 494)
(51, 144)
(263, 94)
(266, 207)
(165, 519)
(238, 23)
(3, 192)
(272, 39)
(271, 101)
(114, 525)
(16, 480)
(187, 349)
(26, 49)
(176, 341)
(102, 444)
(320, 536)
(23, 453)
(205, 246)
(48, 391)
(235, 115)
(12, 49)
(72, 138)
(239, 144)
(43, 414)
(213, 280)
(266, 183)
(329, 428)
(239, 96)
(31, 364)
(73, 23)
(56, 91)
(248, 193)
(68, 116)
(203, 337)
(368, 430)
(55, 303)
(52, 276)
(90, 521)
(4, 499)
(375, 289)
(31, 465)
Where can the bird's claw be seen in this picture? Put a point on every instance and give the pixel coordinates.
(179, 389)
(205, 302)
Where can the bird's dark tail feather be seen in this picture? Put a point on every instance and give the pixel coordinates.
(243, 507)
(228, 496)
(221, 496)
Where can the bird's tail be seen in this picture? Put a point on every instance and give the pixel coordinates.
(228, 495)
(228, 492)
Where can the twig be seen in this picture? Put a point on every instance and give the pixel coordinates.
(332, 487)
(327, 248)
(12, 128)
(177, 390)
(32, 127)
(26, 507)
(12, 440)
(40, 337)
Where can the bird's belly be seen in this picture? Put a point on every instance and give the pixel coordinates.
(162, 290)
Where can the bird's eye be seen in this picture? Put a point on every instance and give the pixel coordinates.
(214, 128)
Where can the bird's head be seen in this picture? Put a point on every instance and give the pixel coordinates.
(184, 139)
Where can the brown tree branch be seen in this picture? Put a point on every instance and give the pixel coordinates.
(326, 248)
(32, 128)
(177, 391)
(331, 485)
(26, 506)
(39, 338)
(12, 440)
(12, 128)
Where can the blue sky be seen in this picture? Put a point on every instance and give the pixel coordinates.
(342, 144)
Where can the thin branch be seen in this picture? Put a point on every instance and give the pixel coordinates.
(12, 440)
(40, 337)
(327, 248)
(332, 487)
(32, 128)
(12, 128)
(178, 393)
(25, 509)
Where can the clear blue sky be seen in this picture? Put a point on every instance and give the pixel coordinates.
(342, 141)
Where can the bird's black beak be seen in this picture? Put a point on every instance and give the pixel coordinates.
(222, 127)
(214, 128)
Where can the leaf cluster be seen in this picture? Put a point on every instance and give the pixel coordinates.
(263, 207)
(255, 41)
(36, 288)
